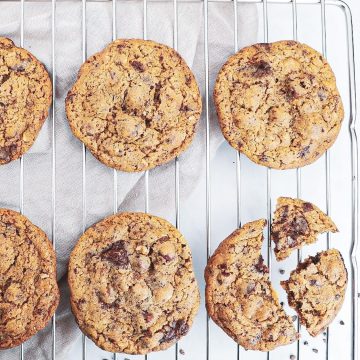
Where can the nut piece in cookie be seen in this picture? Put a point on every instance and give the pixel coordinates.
(278, 104)
(296, 223)
(135, 105)
(25, 98)
(29, 294)
(239, 295)
(132, 284)
(316, 289)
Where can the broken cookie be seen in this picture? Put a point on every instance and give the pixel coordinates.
(239, 295)
(296, 223)
(316, 289)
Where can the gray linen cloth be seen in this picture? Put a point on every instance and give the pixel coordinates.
(99, 178)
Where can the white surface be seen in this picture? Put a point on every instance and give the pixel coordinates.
(253, 205)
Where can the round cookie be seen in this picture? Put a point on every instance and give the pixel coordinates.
(239, 295)
(132, 284)
(29, 294)
(278, 104)
(135, 105)
(25, 98)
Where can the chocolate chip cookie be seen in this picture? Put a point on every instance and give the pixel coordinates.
(25, 98)
(29, 294)
(135, 105)
(297, 223)
(278, 104)
(316, 289)
(132, 284)
(239, 295)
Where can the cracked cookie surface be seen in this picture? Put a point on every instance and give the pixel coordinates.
(316, 289)
(295, 224)
(135, 105)
(239, 295)
(132, 284)
(25, 98)
(29, 293)
(278, 104)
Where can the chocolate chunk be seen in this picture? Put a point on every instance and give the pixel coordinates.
(260, 266)
(163, 239)
(307, 207)
(137, 65)
(284, 214)
(175, 331)
(262, 69)
(304, 152)
(116, 254)
(266, 46)
(263, 158)
(250, 288)
(290, 93)
(148, 316)
(298, 227)
(4, 78)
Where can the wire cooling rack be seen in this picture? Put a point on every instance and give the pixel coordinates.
(215, 344)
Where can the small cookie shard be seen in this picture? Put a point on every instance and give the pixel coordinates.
(29, 294)
(278, 104)
(316, 289)
(132, 284)
(239, 295)
(25, 98)
(296, 223)
(135, 105)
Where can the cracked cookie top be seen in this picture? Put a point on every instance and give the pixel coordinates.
(316, 289)
(278, 104)
(134, 105)
(132, 284)
(239, 295)
(297, 223)
(25, 98)
(29, 293)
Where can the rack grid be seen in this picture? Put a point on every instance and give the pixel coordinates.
(324, 4)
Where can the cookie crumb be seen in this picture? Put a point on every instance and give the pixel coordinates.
(292, 357)
(294, 318)
(282, 271)
(315, 350)
(306, 343)
(342, 322)
(182, 352)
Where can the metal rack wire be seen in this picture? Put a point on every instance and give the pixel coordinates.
(352, 130)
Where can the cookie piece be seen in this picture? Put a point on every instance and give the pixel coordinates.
(239, 295)
(316, 289)
(29, 294)
(297, 223)
(278, 104)
(135, 105)
(25, 98)
(133, 288)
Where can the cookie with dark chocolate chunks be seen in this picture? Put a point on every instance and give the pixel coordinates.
(295, 224)
(239, 295)
(133, 288)
(316, 289)
(25, 98)
(278, 104)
